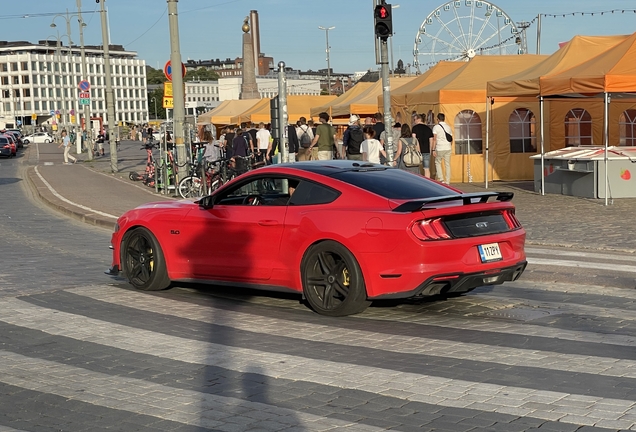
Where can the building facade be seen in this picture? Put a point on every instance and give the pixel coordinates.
(201, 95)
(40, 82)
(230, 88)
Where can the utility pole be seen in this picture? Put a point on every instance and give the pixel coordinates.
(384, 30)
(326, 29)
(178, 112)
(110, 103)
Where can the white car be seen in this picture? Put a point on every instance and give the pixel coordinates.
(38, 137)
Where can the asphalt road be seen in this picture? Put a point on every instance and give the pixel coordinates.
(555, 351)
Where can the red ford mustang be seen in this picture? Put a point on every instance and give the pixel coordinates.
(342, 233)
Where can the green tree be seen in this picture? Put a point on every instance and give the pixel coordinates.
(157, 94)
(155, 76)
(201, 74)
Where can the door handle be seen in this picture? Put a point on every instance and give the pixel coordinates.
(268, 222)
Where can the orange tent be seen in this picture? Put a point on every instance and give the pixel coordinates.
(222, 115)
(350, 94)
(461, 96)
(366, 103)
(437, 72)
(297, 106)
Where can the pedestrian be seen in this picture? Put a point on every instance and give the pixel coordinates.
(352, 139)
(371, 148)
(395, 134)
(240, 147)
(66, 142)
(100, 143)
(305, 137)
(292, 142)
(325, 138)
(424, 136)
(406, 143)
(262, 142)
(442, 148)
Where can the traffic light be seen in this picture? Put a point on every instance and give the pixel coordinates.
(273, 112)
(383, 21)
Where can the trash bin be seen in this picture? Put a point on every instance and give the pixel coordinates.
(580, 171)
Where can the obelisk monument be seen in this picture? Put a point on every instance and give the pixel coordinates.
(249, 89)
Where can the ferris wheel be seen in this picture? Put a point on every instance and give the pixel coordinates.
(459, 30)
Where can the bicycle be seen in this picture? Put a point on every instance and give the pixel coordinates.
(216, 174)
(148, 177)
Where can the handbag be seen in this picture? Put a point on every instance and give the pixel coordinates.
(412, 156)
(449, 137)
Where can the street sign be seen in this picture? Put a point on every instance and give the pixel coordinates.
(57, 112)
(84, 85)
(52, 112)
(34, 116)
(167, 70)
(168, 102)
(167, 89)
(84, 95)
(72, 112)
(73, 119)
(84, 101)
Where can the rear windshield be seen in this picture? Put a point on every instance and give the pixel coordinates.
(3, 140)
(394, 184)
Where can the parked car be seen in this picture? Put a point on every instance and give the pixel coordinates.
(5, 147)
(342, 233)
(14, 144)
(38, 137)
(16, 136)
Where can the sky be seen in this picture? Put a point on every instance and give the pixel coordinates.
(210, 29)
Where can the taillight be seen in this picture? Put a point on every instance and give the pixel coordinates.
(7, 146)
(430, 229)
(511, 219)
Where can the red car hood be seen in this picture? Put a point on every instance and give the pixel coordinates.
(168, 204)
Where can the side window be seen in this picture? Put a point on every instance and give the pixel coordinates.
(265, 191)
(310, 193)
(578, 128)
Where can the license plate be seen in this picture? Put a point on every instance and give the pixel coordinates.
(489, 252)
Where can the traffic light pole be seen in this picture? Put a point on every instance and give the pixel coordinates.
(110, 102)
(283, 148)
(178, 113)
(386, 99)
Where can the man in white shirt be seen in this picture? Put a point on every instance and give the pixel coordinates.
(262, 138)
(441, 149)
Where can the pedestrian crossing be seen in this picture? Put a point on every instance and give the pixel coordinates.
(220, 360)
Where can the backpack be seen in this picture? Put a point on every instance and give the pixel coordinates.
(411, 154)
(305, 139)
(355, 139)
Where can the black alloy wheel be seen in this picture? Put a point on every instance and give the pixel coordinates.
(143, 261)
(332, 280)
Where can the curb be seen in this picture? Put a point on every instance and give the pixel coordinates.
(45, 195)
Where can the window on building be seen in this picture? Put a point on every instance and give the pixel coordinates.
(578, 128)
(35, 92)
(116, 69)
(522, 127)
(5, 80)
(65, 92)
(25, 79)
(64, 79)
(78, 68)
(49, 66)
(6, 94)
(14, 66)
(101, 105)
(50, 92)
(34, 65)
(57, 79)
(4, 67)
(36, 105)
(43, 105)
(63, 67)
(16, 93)
(467, 134)
(7, 106)
(58, 92)
(27, 105)
(56, 67)
(627, 128)
(25, 65)
(16, 80)
(42, 79)
(118, 93)
(26, 92)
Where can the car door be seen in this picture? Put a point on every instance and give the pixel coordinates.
(241, 233)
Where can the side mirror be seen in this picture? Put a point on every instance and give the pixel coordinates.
(206, 202)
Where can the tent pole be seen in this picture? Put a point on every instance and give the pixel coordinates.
(487, 141)
(606, 140)
(542, 146)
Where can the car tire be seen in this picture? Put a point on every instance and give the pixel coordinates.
(333, 283)
(46, 141)
(143, 262)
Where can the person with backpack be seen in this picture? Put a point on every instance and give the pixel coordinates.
(305, 137)
(408, 154)
(441, 149)
(352, 139)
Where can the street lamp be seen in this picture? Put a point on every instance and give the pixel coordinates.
(67, 17)
(326, 29)
(155, 101)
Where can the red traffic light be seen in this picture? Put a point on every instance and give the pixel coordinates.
(383, 12)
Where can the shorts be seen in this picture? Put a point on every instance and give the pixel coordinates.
(426, 160)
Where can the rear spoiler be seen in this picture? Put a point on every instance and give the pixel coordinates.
(467, 198)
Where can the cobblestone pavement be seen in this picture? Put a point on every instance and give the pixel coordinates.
(83, 352)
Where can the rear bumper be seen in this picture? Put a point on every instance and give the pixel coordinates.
(459, 282)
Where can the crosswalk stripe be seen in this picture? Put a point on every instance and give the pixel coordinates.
(563, 287)
(127, 394)
(582, 264)
(594, 255)
(410, 386)
(359, 338)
